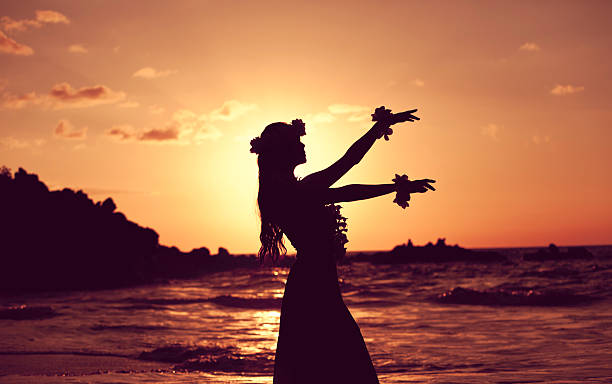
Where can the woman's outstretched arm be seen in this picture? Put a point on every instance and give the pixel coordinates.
(328, 176)
(354, 192)
(384, 119)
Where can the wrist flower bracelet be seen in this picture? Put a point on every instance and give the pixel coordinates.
(402, 196)
(383, 116)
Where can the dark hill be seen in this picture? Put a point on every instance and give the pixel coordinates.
(430, 253)
(56, 240)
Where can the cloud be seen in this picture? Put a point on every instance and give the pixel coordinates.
(42, 17)
(231, 110)
(64, 96)
(64, 129)
(529, 46)
(171, 132)
(321, 117)
(419, 83)
(11, 101)
(77, 48)
(354, 112)
(562, 90)
(206, 132)
(10, 46)
(11, 142)
(152, 73)
(52, 17)
(121, 132)
(183, 128)
(491, 130)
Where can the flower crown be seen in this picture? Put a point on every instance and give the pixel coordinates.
(260, 144)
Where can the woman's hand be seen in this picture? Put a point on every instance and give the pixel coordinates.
(404, 187)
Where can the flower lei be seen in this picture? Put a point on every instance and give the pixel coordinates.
(402, 197)
(260, 145)
(338, 229)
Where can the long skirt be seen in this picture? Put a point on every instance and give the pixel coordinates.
(319, 341)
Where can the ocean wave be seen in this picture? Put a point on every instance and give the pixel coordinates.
(247, 303)
(373, 303)
(518, 297)
(163, 302)
(180, 353)
(129, 328)
(252, 364)
(213, 358)
(223, 300)
(76, 353)
(25, 312)
(375, 293)
(555, 273)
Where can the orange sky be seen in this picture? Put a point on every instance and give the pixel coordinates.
(154, 104)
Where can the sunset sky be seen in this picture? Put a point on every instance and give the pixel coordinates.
(153, 103)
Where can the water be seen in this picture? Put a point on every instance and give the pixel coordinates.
(223, 327)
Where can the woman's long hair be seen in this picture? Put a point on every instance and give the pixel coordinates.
(271, 235)
(273, 160)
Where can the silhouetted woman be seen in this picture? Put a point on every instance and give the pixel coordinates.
(319, 341)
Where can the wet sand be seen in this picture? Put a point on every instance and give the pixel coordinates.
(71, 364)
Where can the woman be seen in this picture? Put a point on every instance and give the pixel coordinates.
(319, 341)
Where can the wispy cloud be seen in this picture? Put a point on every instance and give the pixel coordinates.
(121, 132)
(167, 133)
(231, 110)
(419, 83)
(77, 48)
(354, 112)
(530, 46)
(11, 142)
(184, 127)
(562, 90)
(64, 96)
(65, 130)
(320, 117)
(491, 131)
(152, 73)
(42, 17)
(11, 101)
(10, 46)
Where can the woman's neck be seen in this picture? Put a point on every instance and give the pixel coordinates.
(282, 175)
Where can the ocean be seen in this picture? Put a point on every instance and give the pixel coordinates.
(517, 321)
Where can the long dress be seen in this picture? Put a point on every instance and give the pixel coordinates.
(318, 341)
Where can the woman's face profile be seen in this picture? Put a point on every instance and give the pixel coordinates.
(299, 152)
